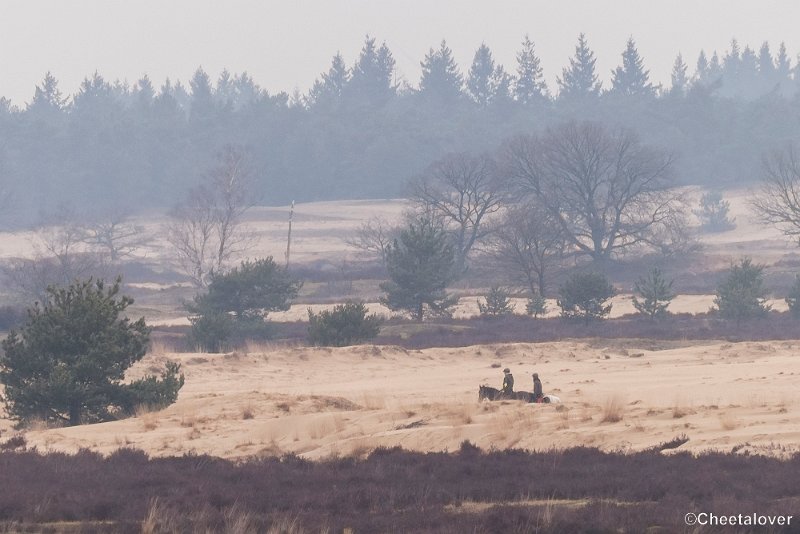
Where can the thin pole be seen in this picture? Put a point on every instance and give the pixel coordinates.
(289, 237)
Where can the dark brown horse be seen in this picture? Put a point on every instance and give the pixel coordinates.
(490, 393)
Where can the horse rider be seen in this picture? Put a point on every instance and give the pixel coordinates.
(537, 388)
(508, 382)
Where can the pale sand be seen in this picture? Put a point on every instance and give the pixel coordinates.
(323, 402)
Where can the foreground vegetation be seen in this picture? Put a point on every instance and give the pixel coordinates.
(391, 490)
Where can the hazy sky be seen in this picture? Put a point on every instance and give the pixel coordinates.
(287, 44)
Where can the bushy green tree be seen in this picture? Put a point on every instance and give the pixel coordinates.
(793, 298)
(420, 264)
(238, 301)
(584, 296)
(496, 303)
(536, 306)
(714, 213)
(656, 294)
(742, 294)
(347, 324)
(67, 363)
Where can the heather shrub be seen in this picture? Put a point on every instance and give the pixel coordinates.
(346, 324)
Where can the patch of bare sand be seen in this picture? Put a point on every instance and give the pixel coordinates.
(321, 402)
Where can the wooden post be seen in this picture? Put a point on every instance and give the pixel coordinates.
(289, 237)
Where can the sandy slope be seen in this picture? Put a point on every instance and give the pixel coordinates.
(318, 402)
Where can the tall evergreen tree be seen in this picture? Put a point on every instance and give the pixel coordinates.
(631, 78)
(329, 88)
(441, 79)
(766, 66)
(371, 76)
(679, 80)
(783, 64)
(47, 98)
(701, 70)
(202, 99)
(732, 60)
(421, 266)
(529, 86)
(579, 80)
(480, 79)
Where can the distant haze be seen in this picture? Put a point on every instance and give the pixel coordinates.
(286, 45)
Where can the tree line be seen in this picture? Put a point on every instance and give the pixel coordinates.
(358, 131)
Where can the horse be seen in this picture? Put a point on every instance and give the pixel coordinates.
(488, 392)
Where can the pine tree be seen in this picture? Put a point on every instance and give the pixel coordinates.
(421, 265)
(371, 76)
(656, 294)
(328, 90)
(766, 66)
(47, 98)
(742, 294)
(631, 78)
(714, 68)
(480, 79)
(202, 99)
(496, 303)
(783, 64)
(579, 80)
(67, 363)
(701, 69)
(441, 79)
(584, 296)
(679, 80)
(529, 87)
(732, 61)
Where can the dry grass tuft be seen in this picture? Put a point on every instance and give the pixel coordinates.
(728, 422)
(147, 416)
(613, 409)
(248, 411)
(374, 401)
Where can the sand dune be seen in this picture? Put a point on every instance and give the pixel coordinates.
(322, 402)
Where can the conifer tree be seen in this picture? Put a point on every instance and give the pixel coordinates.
(742, 294)
(67, 363)
(329, 88)
(631, 78)
(480, 79)
(656, 294)
(679, 80)
(579, 80)
(701, 68)
(766, 66)
(371, 76)
(421, 265)
(529, 86)
(441, 79)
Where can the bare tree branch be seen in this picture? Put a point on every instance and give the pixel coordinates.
(462, 190)
(778, 201)
(206, 230)
(608, 192)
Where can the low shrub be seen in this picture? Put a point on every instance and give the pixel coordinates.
(346, 324)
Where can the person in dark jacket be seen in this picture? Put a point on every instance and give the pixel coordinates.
(508, 382)
(537, 388)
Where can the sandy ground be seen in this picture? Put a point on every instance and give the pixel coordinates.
(323, 402)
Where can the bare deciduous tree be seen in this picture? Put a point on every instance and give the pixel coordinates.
(115, 235)
(373, 237)
(462, 191)
(778, 201)
(606, 190)
(527, 245)
(206, 230)
(61, 256)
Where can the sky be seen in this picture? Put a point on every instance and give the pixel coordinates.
(286, 45)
